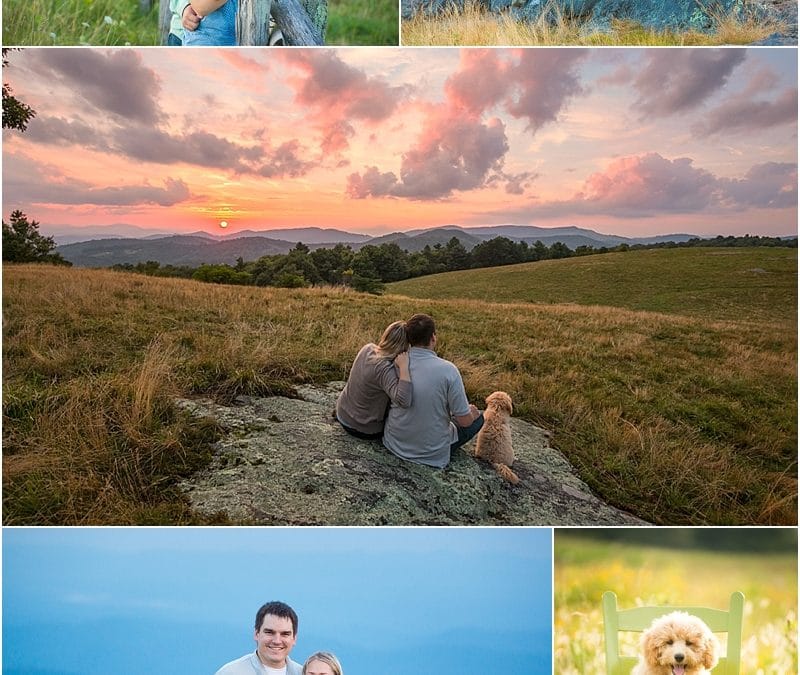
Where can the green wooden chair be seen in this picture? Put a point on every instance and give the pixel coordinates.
(639, 619)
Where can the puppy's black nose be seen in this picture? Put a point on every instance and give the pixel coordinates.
(679, 657)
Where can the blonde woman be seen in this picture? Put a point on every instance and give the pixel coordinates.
(379, 375)
(322, 663)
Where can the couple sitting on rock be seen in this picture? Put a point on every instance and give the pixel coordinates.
(400, 391)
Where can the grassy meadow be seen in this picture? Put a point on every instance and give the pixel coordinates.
(749, 284)
(109, 23)
(650, 575)
(476, 26)
(679, 419)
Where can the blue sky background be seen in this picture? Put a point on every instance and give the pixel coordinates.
(183, 600)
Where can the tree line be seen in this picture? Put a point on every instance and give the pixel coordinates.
(369, 268)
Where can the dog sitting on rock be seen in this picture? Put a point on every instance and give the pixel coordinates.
(494, 438)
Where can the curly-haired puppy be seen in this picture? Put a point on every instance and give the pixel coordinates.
(677, 644)
(494, 438)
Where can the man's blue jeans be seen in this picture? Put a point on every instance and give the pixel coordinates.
(466, 434)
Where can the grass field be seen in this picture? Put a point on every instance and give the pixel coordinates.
(678, 419)
(748, 284)
(642, 575)
(475, 26)
(109, 23)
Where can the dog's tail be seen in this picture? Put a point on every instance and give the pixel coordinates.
(506, 473)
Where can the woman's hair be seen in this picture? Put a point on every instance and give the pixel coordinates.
(325, 657)
(393, 341)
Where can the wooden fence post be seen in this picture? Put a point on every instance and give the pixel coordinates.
(252, 22)
(297, 26)
(164, 19)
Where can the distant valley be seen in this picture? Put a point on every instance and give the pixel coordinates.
(200, 247)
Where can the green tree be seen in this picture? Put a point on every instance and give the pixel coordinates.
(23, 243)
(387, 262)
(221, 274)
(331, 263)
(497, 251)
(456, 255)
(560, 250)
(16, 114)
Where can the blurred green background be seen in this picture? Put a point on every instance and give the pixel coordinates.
(676, 566)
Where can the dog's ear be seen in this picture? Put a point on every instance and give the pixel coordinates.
(649, 646)
(710, 650)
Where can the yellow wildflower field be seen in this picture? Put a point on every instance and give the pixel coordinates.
(661, 573)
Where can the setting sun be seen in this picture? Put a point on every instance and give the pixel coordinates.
(223, 223)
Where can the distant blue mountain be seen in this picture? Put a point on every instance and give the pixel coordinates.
(136, 646)
(202, 247)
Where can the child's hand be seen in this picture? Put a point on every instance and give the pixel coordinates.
(190, 19)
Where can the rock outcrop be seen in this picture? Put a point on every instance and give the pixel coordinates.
(657, 14)
(285, 461)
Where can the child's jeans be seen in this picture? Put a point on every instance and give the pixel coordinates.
(218, 28)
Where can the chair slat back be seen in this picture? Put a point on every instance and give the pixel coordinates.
(638, 619)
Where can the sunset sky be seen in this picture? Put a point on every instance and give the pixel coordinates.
(373, 140)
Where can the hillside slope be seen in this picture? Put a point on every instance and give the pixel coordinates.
(758, 284)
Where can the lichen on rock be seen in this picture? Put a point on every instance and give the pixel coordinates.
(287, 461)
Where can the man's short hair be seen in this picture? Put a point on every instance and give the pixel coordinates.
(276, 608)
(420, 329)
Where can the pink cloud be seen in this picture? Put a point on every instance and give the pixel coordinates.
(648, 183)
(546, 80)
(743, 113)
(480, 83)
(112, 81)
(237, 58)
(452, 153)
(677, 80)
(34, 183)
(771, 185)
(536, 86)
(339, 94)
(456, 150)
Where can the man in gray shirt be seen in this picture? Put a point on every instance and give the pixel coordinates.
(275, 635)
(440, 418)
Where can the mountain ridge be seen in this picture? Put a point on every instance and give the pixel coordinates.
(200, 247)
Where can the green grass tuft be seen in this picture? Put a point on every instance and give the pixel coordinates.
(109, 23)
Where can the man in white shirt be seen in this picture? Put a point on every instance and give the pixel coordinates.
(440, 418)
(275, 635)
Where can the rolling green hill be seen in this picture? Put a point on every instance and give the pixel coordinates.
(757, 284)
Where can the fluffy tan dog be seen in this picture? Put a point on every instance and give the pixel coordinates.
(677, 644)
(494, 438)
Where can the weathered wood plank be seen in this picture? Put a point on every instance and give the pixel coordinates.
(252, 22)
(164, 18)
(297, 26)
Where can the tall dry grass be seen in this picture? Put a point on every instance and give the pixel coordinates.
(677, 419)
(475, 25)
